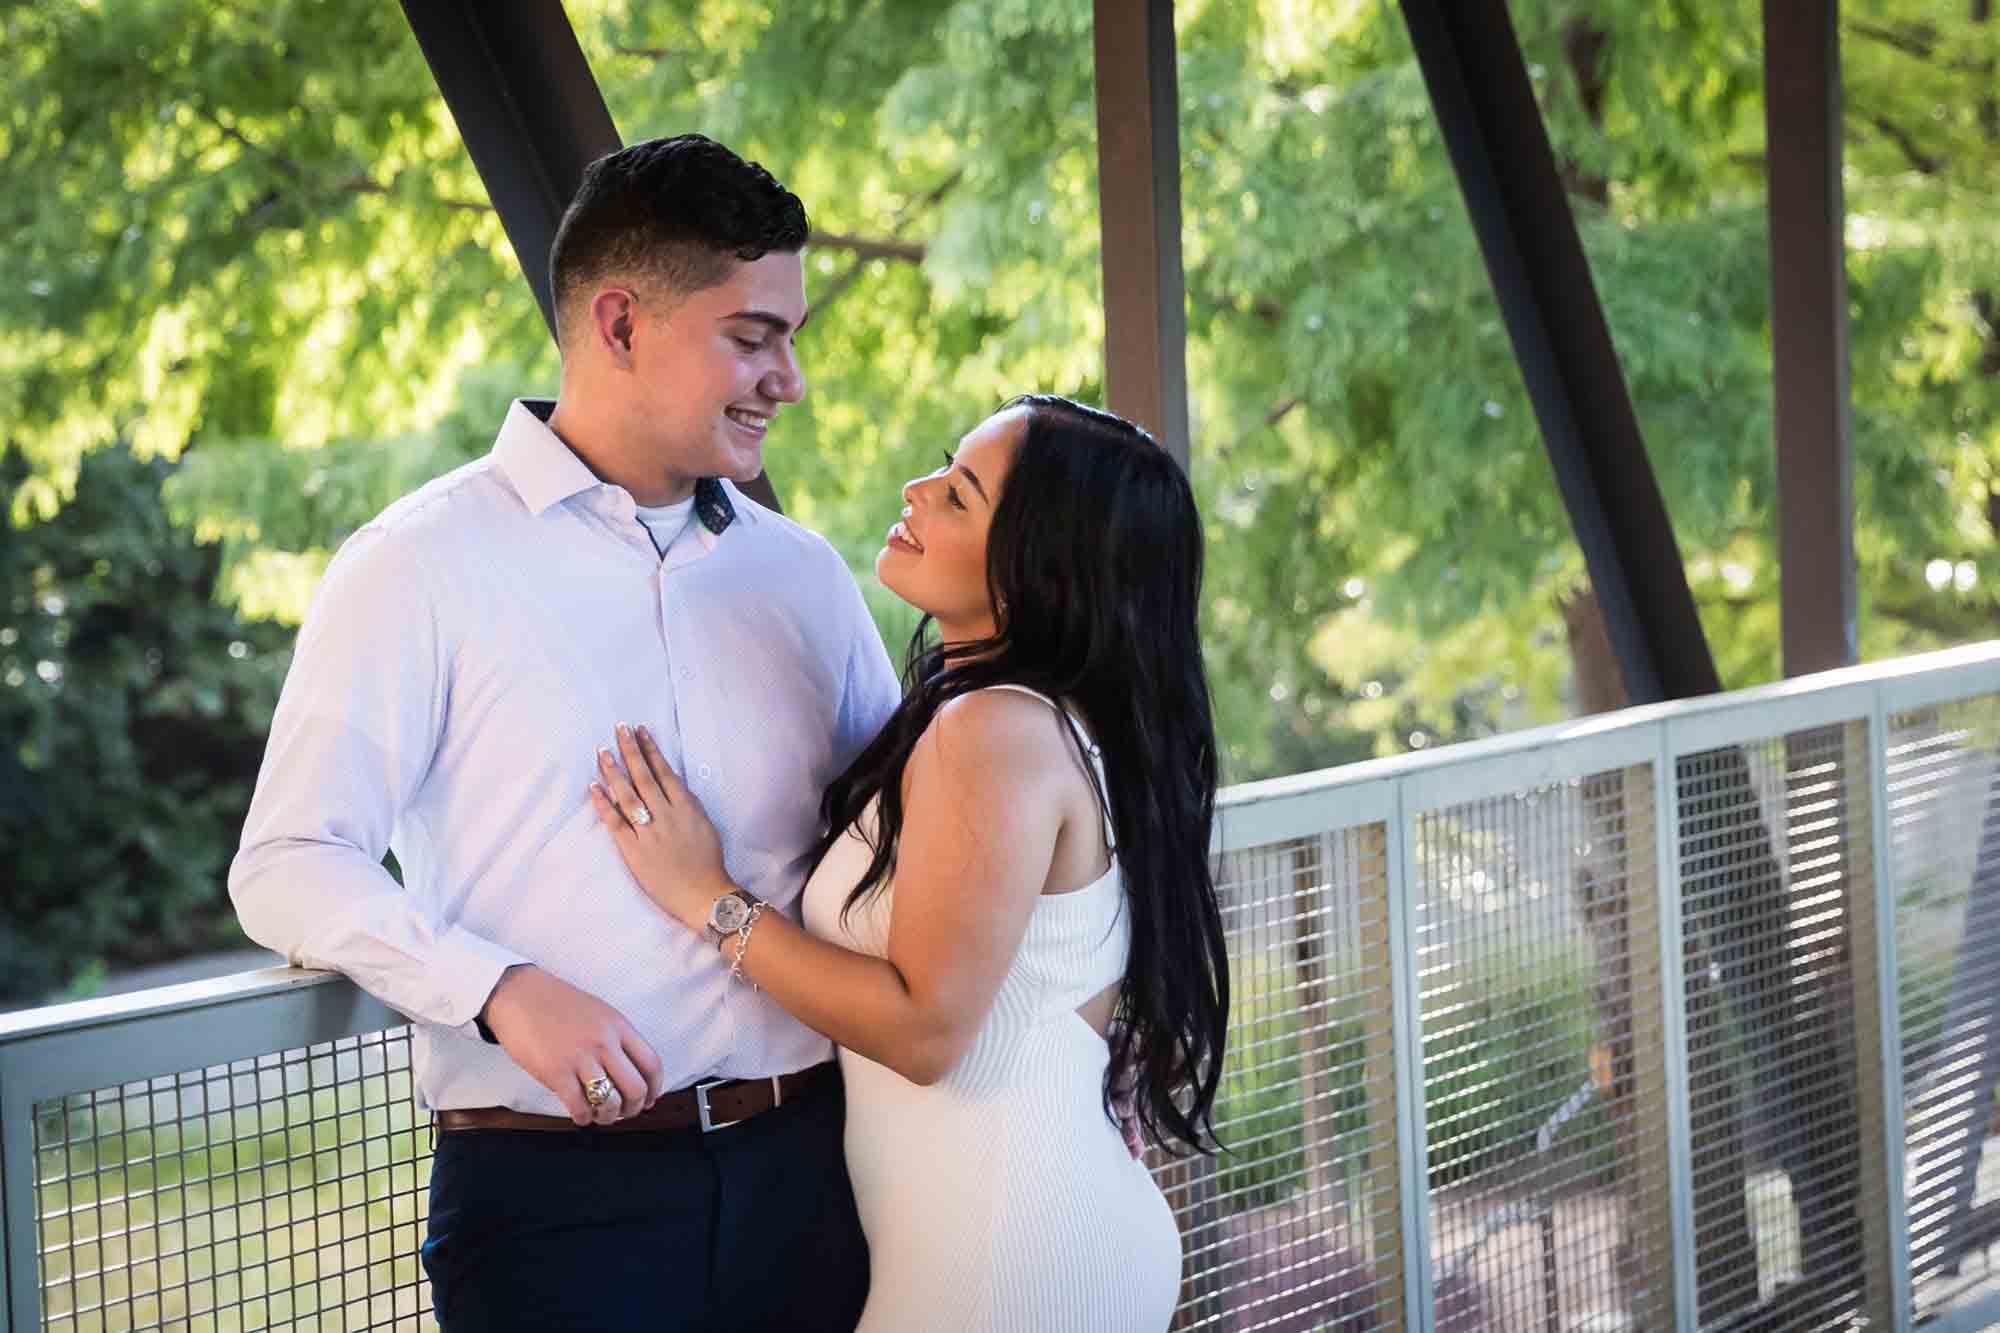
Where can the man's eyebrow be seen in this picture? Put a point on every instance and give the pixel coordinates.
(777, 324)
(973, 477)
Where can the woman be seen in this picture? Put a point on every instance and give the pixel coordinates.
(1018, 859)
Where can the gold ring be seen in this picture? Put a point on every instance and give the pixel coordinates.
(599, 1090)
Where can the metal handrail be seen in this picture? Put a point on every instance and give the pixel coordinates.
(49, 1053)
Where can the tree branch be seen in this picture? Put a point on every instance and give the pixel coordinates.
(358, 183)
(362, 184)
(1986, 308)
(866, 248)
(652, 52)
(1920, 43)
(904, 216)
(1282, 410)
(236, 136)
(1583, 47)
(1924, 162)
(1278, 411)
(1934, 618)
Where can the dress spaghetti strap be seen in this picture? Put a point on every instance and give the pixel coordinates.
(1090, 748)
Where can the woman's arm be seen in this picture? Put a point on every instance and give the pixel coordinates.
(982, 811)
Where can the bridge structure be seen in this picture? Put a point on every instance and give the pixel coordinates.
(1677, 1017)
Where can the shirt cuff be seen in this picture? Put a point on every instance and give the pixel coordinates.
(468, 967)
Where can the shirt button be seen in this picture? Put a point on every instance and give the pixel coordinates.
(687, 673)
(704, 770)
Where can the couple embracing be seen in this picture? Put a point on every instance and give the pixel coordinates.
(671, 835)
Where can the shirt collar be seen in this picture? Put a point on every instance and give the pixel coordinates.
(544, 471)
(712, 504)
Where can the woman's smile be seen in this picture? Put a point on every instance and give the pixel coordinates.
(902, 539)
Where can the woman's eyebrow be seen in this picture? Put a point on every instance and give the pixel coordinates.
(973, 477)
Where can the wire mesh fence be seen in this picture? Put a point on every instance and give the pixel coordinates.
(1583, 1034)
(1944, 819)
(1546, 1146)
(1768, 873)
(1300, 1226)
(281, 1192)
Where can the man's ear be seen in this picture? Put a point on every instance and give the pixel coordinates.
(612, 312)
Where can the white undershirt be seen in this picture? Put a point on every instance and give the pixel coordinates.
(666, 523)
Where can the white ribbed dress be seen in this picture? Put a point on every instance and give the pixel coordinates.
(1001, 1199)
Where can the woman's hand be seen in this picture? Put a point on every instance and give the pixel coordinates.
(660, 828)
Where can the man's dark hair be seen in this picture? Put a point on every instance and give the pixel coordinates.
(679, 211)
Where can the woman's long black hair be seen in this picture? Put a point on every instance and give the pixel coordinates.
(1094, 562)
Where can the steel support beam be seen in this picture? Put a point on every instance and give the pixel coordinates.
(527, 107)
(1139, 210)
(532, 118)
(1809, 334)
(1500, 150)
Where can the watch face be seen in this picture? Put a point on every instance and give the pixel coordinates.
(729, 913)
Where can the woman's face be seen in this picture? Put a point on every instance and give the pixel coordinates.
(935, 555)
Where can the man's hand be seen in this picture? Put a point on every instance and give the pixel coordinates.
(565, 1037)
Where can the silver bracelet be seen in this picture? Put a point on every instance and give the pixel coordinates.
(743, 942)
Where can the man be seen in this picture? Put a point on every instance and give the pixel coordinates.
(466, 656)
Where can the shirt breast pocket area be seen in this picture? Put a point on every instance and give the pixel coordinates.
(785, 714)
(784, 749)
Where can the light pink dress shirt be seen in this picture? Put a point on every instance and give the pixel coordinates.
(464, 657)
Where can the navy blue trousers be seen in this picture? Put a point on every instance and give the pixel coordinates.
(749, 1228)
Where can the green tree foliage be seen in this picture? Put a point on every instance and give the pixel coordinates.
(135, 706)
(253, 230)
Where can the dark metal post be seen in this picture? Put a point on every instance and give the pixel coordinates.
(1139, 203)
(1821, 1150)
(527, 107)
(531, 116)
(1486, 108)
(1809, 335)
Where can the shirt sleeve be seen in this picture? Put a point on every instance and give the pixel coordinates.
(872, 689)
(356, 729)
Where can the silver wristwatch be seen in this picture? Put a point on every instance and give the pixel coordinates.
(728, 914)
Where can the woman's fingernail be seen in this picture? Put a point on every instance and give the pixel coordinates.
(624, 730)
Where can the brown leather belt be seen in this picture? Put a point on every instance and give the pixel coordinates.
(709, 1105)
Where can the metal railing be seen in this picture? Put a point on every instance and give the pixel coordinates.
(1682, 1017)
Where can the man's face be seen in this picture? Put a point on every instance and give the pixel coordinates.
(712, 371)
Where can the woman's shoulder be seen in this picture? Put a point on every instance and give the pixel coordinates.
(1009, 732)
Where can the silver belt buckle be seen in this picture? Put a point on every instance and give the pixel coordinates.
(709, 1124)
